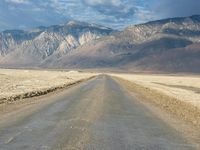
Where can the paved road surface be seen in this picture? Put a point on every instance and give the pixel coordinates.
(96, 115)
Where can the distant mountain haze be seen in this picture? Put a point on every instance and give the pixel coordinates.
(30, 48)
(170, 45)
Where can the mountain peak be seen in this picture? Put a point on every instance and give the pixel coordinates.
(74, 22)
(195, 17)
(167, 45)
(36, 45)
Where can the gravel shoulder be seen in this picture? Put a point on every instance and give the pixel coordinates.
(175, 113)
(183, 88)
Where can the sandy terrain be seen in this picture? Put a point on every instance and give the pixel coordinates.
(18, 82)
(184, 88)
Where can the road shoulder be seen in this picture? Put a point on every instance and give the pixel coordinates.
(153, 101)
(23, 107)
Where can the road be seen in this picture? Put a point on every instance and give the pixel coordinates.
(96, 115)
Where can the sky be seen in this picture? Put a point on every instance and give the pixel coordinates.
(26, 14)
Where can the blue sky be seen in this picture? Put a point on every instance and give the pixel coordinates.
(25, 14)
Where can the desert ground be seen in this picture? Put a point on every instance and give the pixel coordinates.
(101, 111)
(14, 83)
(176, 94)
(184, 88)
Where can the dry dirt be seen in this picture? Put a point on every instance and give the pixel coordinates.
(176, 94)
(20, 84)
(183, 88)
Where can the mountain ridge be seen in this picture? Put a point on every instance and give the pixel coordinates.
(45, 41)
(143, 47)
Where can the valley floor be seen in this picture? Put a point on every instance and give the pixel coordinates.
(97, 114)
(115, 111)
(20, 84)
(184, 88)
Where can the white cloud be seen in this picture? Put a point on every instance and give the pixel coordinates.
(144, 16)
(18, 1)
(113, 13)
(104, 2)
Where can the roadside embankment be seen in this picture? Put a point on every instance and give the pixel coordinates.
(159, 91)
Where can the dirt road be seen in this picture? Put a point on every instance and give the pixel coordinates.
(96, 115)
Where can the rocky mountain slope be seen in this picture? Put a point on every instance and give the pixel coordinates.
(30, 48)
(170, 45)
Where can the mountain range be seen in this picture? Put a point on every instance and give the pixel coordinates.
(169, 45)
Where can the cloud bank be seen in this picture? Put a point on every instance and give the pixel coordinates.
(171, 8)
(114, 13)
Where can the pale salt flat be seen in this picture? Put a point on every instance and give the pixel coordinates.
(185, 88)
(16, 82)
